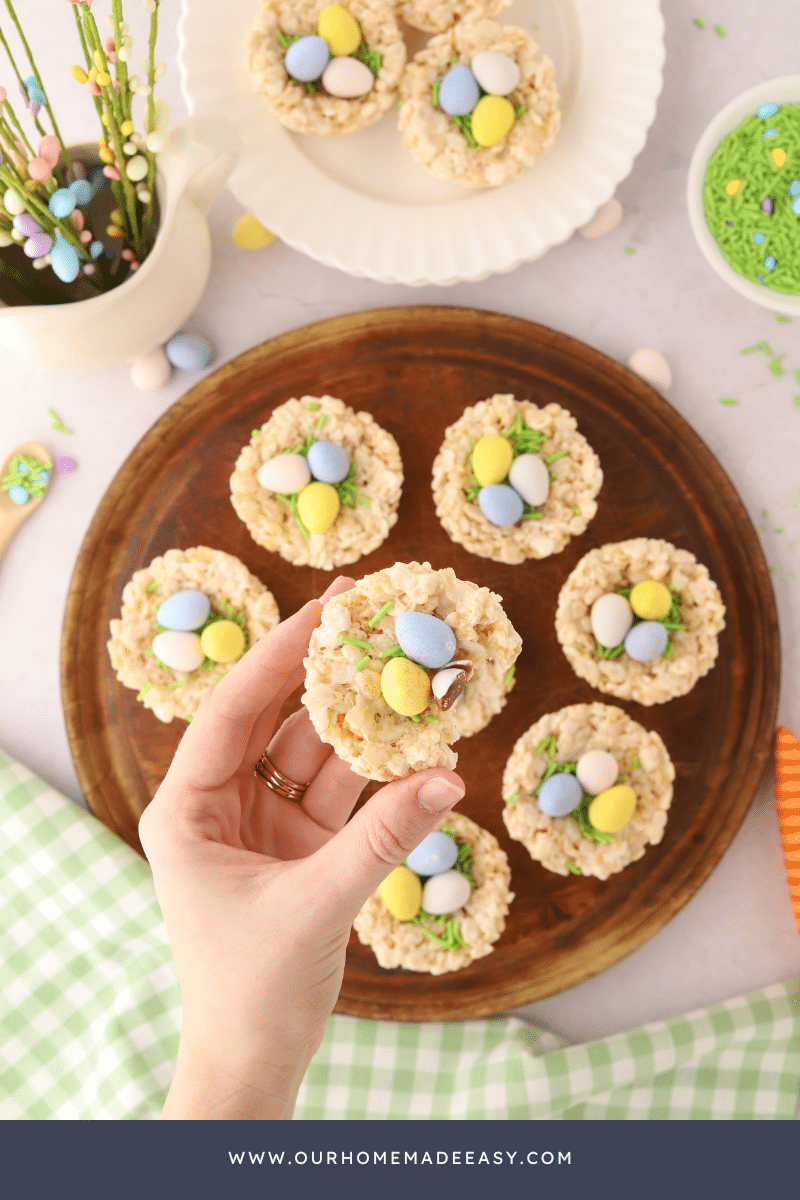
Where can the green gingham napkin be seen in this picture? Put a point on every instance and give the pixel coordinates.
(90, 1014)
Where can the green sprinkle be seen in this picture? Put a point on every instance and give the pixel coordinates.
(796, 401)
(548, 746)
(636, 763)
(362, 499)
(621, 779)
(144, 691)
(551, 458)
(435, 92)
(779, 317)
(151, 587)
(773, 568)
(290, 500)
(393, 652)
(467, 688)
(370, 58)
(345, 489)
(765, 513)
(775, 366)
(729, 400)
(553, 477)
(254, 434)
(571, 867)
(351, 641)
(718, 29)
(430, 719)
(148, 653)
(362, 662)
(415, 719)
(779, 529)
(520, 111)
(453, 58)
(177, 683)
(382, 611)
(56, 422)
(797, 374)
(509, 675)
(464, 124)
(511, 799)
(576, 510)
(629, 249)
(581, 815)
(284, 39)
(321, 421)
(609, 651)
(758, 346)
(189, 719)
(313, 406)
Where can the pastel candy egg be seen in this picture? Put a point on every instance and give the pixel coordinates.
(328, 462)
(492, 118)
(435, 853)
(285, 473)
(611, 618)
(426, 639)
(64, 260)
(531, 478)
(340, 30)
(180, 651)
(458, 91)
(405, 687)
(650, 600)
(307, 58)
(38, 245)
(767, 110)
(646, 641)
(613, 808)
(500, 504)
(318, 504)
(222, 641)
(401, 892)
(61, 203)
(445, 893)
(492, 457)
(12, 202)
(18, 494)
(495, 72)
(347, 77)
(184, 610)
(560, 795)
(191, 351)
(596, 770)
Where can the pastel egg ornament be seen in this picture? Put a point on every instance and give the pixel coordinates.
(611, 618)
(347, 78)
(426, 639)
(531, 478)
(458, 91)
(64, 260)
(61, 203)
(492, 118)
(646, 641)
(497, 73)
(318, 506)
(491, 459)
(284, 473)
(445, 893)
(401, 892)
(596, 770)
(435, 853)
(340, 30)
(180, 651)
(500, 504)
(223, 641)
(405, 687)
(328, 462)
(307, 58)
(186, 610)
(612, 809)
(560, 794)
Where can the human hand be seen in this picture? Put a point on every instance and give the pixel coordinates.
(259, 893)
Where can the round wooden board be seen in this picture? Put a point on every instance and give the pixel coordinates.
(415, 369)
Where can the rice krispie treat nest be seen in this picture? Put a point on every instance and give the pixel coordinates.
(619, 565)
(481, 920)
(437, 143)
(234, 593)
(355, 640)
(434, 16)
(360, 526)
(558, 843)
(317, 112)
(576, 478)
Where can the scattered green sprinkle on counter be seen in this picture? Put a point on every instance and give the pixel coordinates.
(796, 401)
(775, 365)
(700, 23)
(781, 319)
(729, 400)
(56, 422)
(629, 250)
(718, 29)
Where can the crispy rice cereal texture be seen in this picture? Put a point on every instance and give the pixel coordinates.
(434, 16)
(620, 565)
(482, 919)
(437, 143)
(346, 706)
(225, 580)
(379, 477)
(578, 480)
(317, 112)
(555, 841)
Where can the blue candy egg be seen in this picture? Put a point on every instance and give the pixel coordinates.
(61, 203)
(769, 262)
(43, 477)
(435, 854)
(426, 639)
(458, 91)
(796, 206)
(191, 351)
(646, 641)
(64, 259)
(758, 238)
(560, 794)
(500, 504)
(18, 494)
(307, 58)
(184, 610)
(766, 110)
(794, 187)
(328, 462)
(81, 190)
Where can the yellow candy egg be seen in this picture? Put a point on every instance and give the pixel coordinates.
(402, 893)
(492, 457)
(318, 504)
(340, 29)
(650, 600)
(613, 808)
(405, 687)
(492, 117)
(222, 641)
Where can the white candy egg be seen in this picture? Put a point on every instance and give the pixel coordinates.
(178, 651)
(347, 77)
(611, 618)
(607, 217)
(531, 478)
(596, 770)
(495, 72)
(284, 473)
(652, 366)
(445, 893)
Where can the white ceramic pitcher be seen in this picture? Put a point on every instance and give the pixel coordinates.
(153, 303)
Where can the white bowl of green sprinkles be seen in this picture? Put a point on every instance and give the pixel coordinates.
(741, 189)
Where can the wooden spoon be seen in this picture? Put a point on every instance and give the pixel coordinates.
(12, 515)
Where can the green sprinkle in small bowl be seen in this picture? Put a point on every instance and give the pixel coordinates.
(781, 228)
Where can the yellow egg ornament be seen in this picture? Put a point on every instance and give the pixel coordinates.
(492, 457)
(613, 808)
(340, 30)
(222, 641)
(405, 687)
(318, 504)
(402, 893)
(650, 600)
(492, 117)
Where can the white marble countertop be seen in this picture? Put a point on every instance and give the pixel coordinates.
(738, 932)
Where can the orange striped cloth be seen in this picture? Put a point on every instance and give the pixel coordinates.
(787, 796)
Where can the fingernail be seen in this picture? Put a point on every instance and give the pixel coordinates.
(335, 588)
(436, 795)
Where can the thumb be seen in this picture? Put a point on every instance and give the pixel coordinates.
(382, 834)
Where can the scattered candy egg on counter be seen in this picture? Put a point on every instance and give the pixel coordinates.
(222, 641)
(178, 650)
(328, 461)
(613, 808)
(250, 234)
(401, 891)
(531, 478)
(149, 372)
(607, 217)
(284, 473)
(61, 203)
(445, 893)
(596, 770)
(652, 366)
(435, 853)
(426, 639)
(347, 78)
(191, 351)
(650, 600)
(492, 457)
(18, 494)
(492, 117)
(611, 618)
(560, 794)
(500, 504)
(405, 687)
(184, 610)
(340, 30)
(66, 464)
(646, 641)
(448, 686)
(496, 73)
(307, 58)
(458, 91)
(318, 504)
(64, 260)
